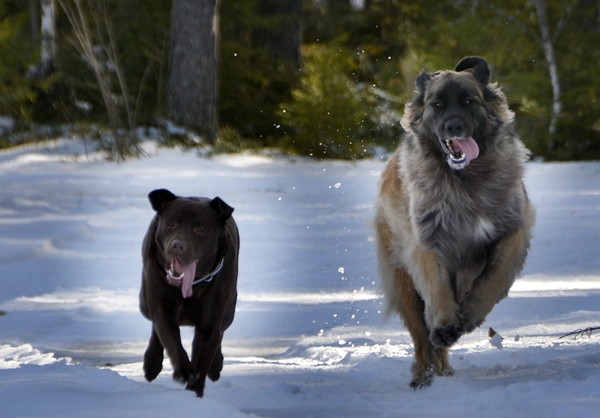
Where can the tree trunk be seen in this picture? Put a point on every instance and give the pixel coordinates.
(192, 88)
(548, 47)
(285, 39)
(33, 17)
(48, 38)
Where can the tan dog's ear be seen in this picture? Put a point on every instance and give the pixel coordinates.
(422, 81)
(477, 65)
(159, 198)
(222, 208)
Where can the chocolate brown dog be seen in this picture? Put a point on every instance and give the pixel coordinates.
(190, 256)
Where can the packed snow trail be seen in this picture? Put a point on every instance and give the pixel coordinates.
(309, 338)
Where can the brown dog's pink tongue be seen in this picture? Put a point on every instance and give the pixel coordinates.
(189, 271)
(469, 147)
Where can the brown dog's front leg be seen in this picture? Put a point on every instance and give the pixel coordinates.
(214, 373)
(168, 333)
(206, 349)
(153, 358)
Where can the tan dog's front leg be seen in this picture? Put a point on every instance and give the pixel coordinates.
(493, 284)
(442, 312)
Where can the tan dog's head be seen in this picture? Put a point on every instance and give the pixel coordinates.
(456, 114)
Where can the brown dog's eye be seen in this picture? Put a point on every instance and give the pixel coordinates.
(171, 224)
(199, 231)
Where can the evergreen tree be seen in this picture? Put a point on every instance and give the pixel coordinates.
(260, 63)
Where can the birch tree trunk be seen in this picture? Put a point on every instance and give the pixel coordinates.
(192, 86)
(548, 47)
(48, 32)
(546, 41)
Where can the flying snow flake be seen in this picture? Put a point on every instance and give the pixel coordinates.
(341, 270)
(337, 185)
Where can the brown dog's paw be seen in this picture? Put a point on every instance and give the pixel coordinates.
(445, 336)
(153, 362)
(151, 371)
(215, 368)
(214, 375)
(183, 374)
(196, 384)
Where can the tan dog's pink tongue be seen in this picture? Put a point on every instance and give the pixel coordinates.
(189, 272)
(469, 147)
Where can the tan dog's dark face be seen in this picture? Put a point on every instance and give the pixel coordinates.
(453, 107)
(456, 114)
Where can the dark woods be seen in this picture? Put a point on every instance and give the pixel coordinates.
(327, 78)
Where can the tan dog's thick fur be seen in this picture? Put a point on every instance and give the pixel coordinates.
(453, 219)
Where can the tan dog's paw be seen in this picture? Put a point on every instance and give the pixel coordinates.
(422, 376)
(445, 336)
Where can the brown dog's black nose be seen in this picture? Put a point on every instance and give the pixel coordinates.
(178, 246)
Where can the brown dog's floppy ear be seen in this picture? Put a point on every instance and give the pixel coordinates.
(222, 208)
(159, 198)
(479, 66)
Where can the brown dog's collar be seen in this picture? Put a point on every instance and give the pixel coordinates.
(211, 275)
(208, 278)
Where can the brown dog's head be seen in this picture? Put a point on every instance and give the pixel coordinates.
(456, 114)
(189, 235)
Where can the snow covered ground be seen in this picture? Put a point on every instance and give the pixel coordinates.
(309, 338)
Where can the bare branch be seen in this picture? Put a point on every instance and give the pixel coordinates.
(84, 43)
(114, 58)
(562, 23)
(581, 332)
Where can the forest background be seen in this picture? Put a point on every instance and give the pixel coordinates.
(325, 78)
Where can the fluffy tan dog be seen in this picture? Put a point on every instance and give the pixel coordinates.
(453, 219)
